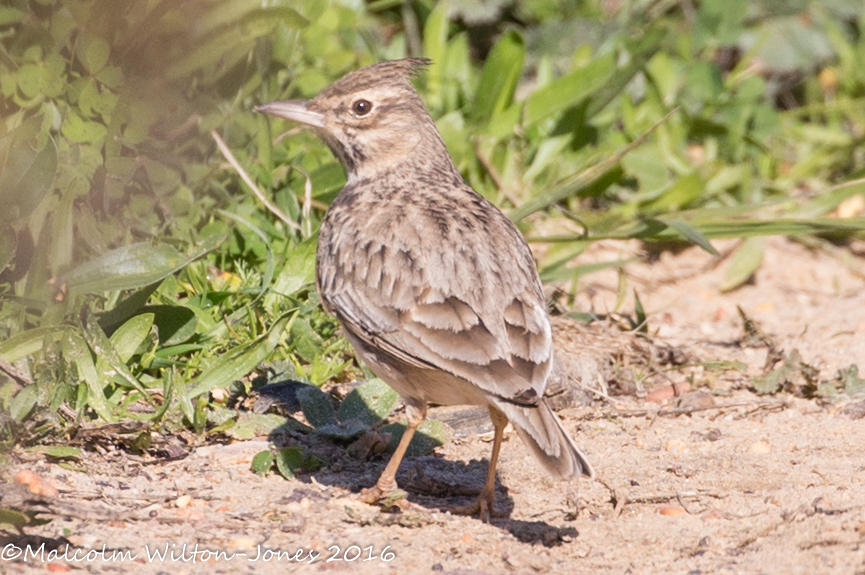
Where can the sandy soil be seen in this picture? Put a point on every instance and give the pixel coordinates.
(740, 483)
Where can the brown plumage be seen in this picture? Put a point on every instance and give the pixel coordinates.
(435, 288)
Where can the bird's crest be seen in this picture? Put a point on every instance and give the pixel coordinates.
(387, 73)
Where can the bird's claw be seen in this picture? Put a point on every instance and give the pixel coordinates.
(385, 498)
(482, 507)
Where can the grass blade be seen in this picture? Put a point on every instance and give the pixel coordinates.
(743, 265)
(499, 77)
(240, 361)
(129, 267)
(582, 180)
(691, 234)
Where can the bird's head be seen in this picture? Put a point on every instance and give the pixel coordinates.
(372, 119)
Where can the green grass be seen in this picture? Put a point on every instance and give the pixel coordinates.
(139, 273)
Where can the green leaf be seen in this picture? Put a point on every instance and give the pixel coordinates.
(29, 78)
(691, 234)
(30, 342)
(297, 272)
(772, 381)
(289, 460)
(18, 519)
(435, 36)
(129, 337)
(23, 402)
(174, 323)
(240, 361)
(704, 81)
(641, 51)
(327, 180)
(93, 53)
(828, 200)
(344, 430)
(8, 246)
(268, 269)
(642, 319)
(307, 343)
(316, 406)
(721, 21)
(107, 357)
(647, 165)
(82, 131)
(429, 435)
(499, 77)
(57, 451)
(75, 350)
(369, 403)
(293, 459)
(590, 176)
(681, 194)
(745, 262)
(9, 15)
(788, 43)
(850, 381)
(560, 272)
(776, 227)
(126, 308)
(26, 170)
(183, 349)
(252, 425)
(726, 228)
(168, 393)
(549, 152)
(262, 462)
(569, 90)
(199, 415)
(129, 267)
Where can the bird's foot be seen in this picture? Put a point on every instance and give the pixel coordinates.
(386, 498)
(483, 507)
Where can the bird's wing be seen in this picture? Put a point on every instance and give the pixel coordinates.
(463, 297)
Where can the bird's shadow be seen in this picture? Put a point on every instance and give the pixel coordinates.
(439, 484)
(431, 481)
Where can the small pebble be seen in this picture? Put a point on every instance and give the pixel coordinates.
(242, 543)
(676, 446)
(759, 448)
(35, 483)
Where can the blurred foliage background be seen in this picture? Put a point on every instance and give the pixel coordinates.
(141, 279)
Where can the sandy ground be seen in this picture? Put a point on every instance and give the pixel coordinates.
(750, 484)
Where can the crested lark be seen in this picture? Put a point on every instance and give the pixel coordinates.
(434, 286)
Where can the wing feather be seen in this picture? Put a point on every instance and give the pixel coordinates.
(432, 295)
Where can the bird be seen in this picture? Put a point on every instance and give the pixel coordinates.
(434, 287)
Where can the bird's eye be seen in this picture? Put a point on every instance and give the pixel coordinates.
(362, 107)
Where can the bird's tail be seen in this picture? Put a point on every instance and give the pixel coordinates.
(542, 432)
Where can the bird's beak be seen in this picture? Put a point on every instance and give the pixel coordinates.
(297, 110)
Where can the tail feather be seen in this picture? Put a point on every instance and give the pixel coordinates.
(542, 432)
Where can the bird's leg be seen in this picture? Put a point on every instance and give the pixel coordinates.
(386, 484)
(487, 496)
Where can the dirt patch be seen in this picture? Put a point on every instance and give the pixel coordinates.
(717, 480)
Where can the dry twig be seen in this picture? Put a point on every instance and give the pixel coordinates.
(15, 373)
(226, 152)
